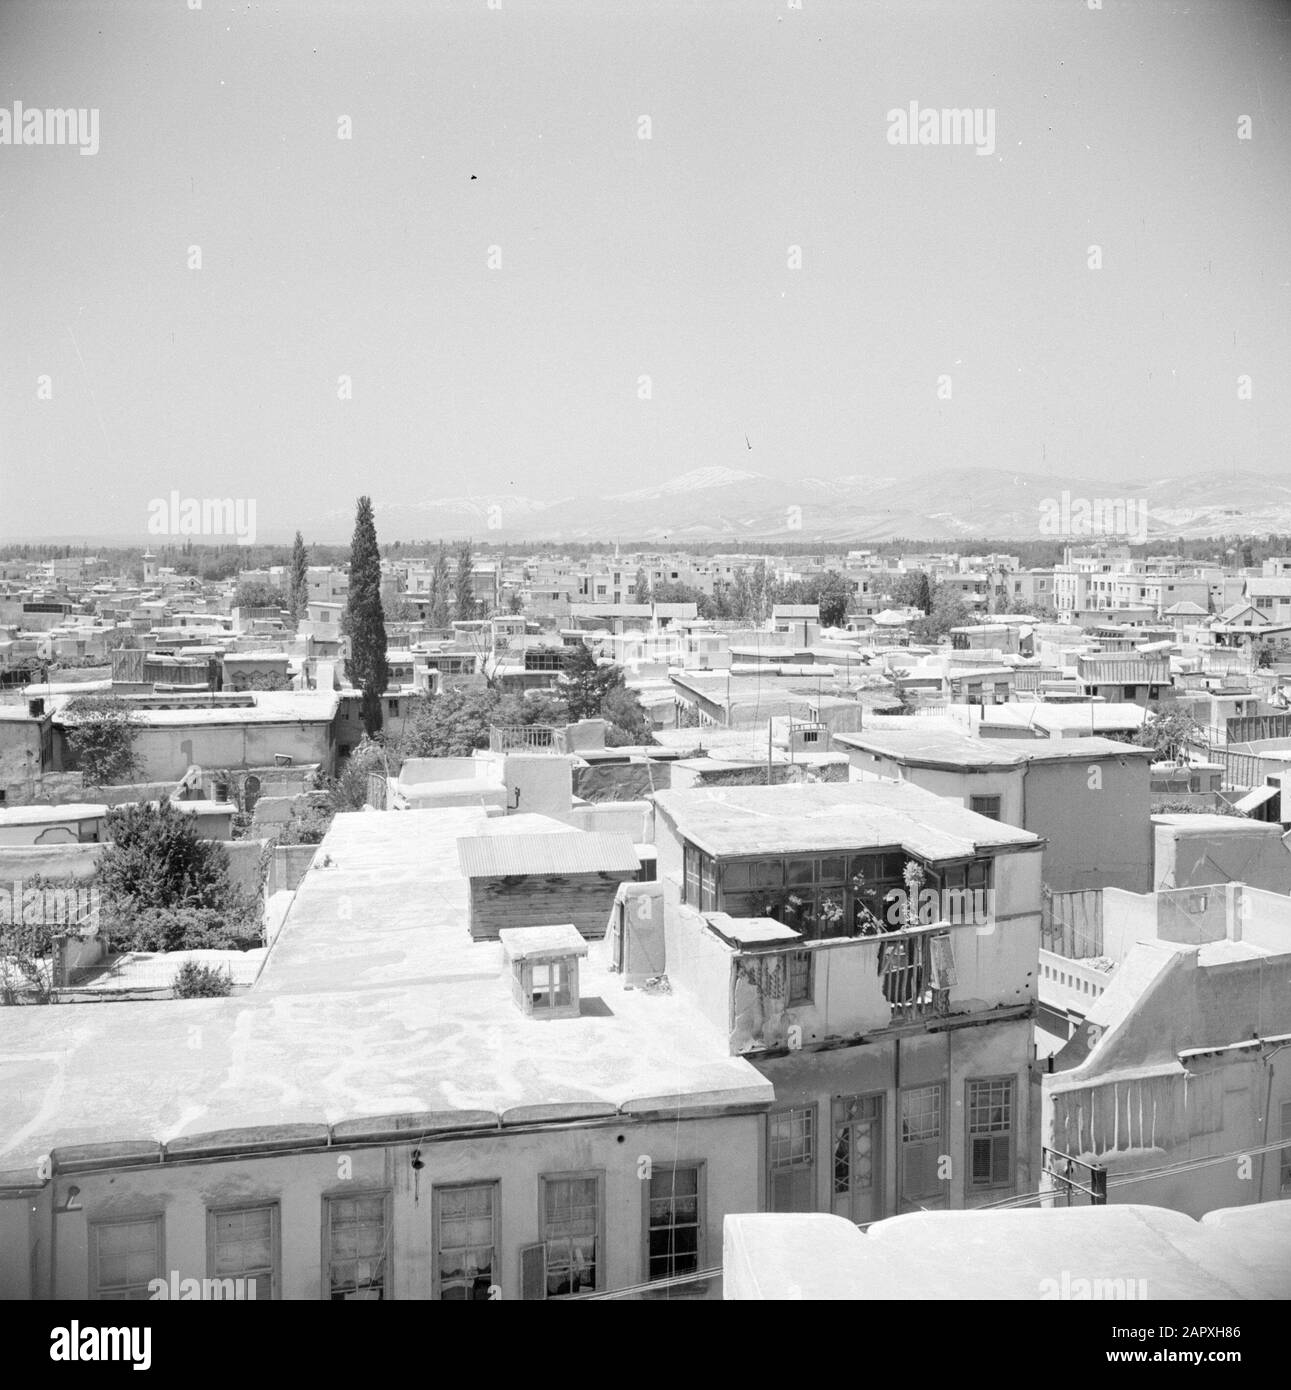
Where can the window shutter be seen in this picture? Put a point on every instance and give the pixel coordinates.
(533, 1271)
(1000, 1174)
(943, 962)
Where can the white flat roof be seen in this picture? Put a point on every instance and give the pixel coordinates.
(40, 815)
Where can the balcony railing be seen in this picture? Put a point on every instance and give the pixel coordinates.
(525, 738)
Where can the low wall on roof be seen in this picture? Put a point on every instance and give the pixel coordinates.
(621, 781)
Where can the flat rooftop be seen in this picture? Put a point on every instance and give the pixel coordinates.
(1058, 1253)
(818, 818)
(374, 1011)
(1067, 718)
(952, 748)
(41, 815)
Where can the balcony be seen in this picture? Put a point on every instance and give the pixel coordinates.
(858, 986)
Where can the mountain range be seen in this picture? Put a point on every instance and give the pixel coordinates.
(728, 505)
(716, 504)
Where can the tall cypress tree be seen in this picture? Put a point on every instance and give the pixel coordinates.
(465, 583)
(299, 578)
(367, 667)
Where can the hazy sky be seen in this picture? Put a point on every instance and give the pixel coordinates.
(624, 257)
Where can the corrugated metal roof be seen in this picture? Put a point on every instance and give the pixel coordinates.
(580, 852)
(1120, 667)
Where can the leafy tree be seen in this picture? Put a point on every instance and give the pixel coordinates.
(834, 595)
(154, 858)
(685, 593)
(465, 583)
(515, 604)
(948, 610)
(101, 735)
(349, 791)
(738, 598)
(629, 722)
(913, 590)
(299, 593)
(367, 667)
(585, 683)
(761, 592)
(1169, 734)
(540, 707)
(253, 594)
(641, 589)
(451, 724)
(441, 586)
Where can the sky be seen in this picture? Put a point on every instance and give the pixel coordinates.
(650, 313)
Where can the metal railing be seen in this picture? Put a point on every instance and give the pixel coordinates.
(1065, 1173)
(528, 738)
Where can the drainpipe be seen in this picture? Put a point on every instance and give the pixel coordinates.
(1268, 1102)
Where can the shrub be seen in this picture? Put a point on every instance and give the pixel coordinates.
(181, 929)
(193, 981)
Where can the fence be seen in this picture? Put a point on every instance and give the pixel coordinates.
(1071, 924)
(1246, 728)
(527, 738)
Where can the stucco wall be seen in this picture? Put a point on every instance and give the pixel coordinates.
(951, 1057)
(1095, 816)
(1249, 852)
(728, 1145)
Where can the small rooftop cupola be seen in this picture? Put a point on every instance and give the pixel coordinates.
(543, 965)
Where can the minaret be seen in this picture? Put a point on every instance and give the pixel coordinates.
(149, 567)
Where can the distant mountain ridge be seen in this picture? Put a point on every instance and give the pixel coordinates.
(715, 504)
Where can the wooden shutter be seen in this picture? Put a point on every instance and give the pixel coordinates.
(943, 961)
(533, 1271)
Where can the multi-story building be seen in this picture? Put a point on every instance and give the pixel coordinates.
(1177, 1080)
(393, 1111)
(872, 949)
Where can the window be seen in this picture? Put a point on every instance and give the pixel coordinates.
(466, 1241)
(571, 1219)
(799, 977)
(394, 707)
(242, 1244)
(125, 1256)
(791, 1143)
(921, 1146)
(707, 883)
(550, 985)
(990, 1133)
(690, 892)
(674, 1220)
(358, 1244)
(988, 806)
